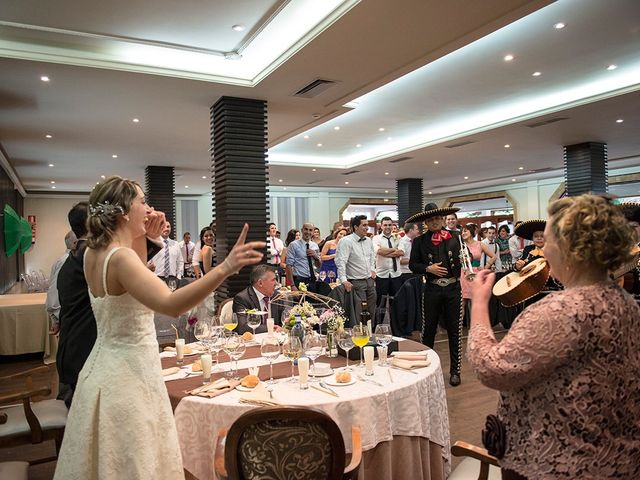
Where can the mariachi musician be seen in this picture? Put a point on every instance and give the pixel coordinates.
(630, 280)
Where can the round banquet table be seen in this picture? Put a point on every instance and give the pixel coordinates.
(404, 423)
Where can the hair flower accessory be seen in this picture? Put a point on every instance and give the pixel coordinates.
(105, 208)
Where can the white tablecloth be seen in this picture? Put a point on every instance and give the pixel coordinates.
(413, 405)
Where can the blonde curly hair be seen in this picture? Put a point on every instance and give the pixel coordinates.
(590, 229)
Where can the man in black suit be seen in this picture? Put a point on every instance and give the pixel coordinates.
(257, 297)
(77, 324)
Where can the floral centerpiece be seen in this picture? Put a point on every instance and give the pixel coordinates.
(334, 319)
(307, 314)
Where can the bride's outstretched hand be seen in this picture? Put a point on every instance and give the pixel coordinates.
(243, 254)
(482, 286)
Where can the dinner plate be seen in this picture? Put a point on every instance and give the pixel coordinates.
(242, 388)
(332, 381)
(321, 373)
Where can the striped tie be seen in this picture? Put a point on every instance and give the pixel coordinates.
(165, 268)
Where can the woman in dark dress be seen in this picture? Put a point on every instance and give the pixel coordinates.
(207, 254)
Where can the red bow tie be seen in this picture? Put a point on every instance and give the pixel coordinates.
(439, 237)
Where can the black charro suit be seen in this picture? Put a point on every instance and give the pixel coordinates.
(248, 300)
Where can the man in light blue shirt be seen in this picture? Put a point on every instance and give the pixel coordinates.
(302, 256)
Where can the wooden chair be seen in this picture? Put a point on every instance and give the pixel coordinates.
(31, 422)
(478, 464)
(225, 308)
(285, 443)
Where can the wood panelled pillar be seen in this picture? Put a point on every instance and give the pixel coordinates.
(586, 168)
(240, 179)
(409, 193)
(161, 192)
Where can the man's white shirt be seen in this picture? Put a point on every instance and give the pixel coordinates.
(384, 265)
(176, 264)
(484, 258)
(275, 246)
(405, 246)
(187, 252)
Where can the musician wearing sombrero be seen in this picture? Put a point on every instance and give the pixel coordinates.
(629, 276)
(436, 254)
(530, 230)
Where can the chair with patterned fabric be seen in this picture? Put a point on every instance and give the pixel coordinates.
(286, 443)
(32, 422)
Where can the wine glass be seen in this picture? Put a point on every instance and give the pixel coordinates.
(202, 331)
(314, 347)
(345, 341)
(292, 349)
(322, 275)
(254, 321)
(383, 337)
(235, 348)
(270, 349)
(231, 322)
(332, 276)
(360, 336)
(172, 283)
(216, 343)
(281, 336)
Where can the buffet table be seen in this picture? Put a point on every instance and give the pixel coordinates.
(404, 422)
(24, 326)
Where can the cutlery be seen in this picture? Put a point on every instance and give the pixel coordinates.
(326, 387)
(370, 380)
(404, 370)
(333, 394)
(390, 376)
(260, 403)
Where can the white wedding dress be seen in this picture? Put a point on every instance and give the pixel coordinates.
(120, 424)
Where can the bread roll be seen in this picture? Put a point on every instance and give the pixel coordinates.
(248, 336)
(343, 377)
(250, 381)
(196, 366)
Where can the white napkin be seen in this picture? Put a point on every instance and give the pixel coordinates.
(411, 355)
(259, 396)
(321, 368)
(410, 364)
(170, 371)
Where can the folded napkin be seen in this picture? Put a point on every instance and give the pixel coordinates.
(170, 371)
(411, 355)
(259, 396)
(321, 368)
(220, 386)
(410, 364)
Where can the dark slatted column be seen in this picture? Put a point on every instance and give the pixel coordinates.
(409, 192)
(161, 192)
(585, 168)
(240, 179)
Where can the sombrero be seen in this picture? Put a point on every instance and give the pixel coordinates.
(431, 210)
(528, 228)
(631, 211)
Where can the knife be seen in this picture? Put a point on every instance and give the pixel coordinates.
(370, 380)
(404, 370)
(324, 385)
(334, 394)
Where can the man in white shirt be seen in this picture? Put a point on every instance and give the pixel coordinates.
(493, 246)
(53, 300)
(388, 254)
(451, 222)
(168, 262)
(275, 246)
(356, 263)
(303, 257)
(411, 230)
(517, 244)
(186, 248)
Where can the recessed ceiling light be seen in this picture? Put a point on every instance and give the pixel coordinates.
(280, 180)
(513, 179)
(238, 28)
(51, 165)
(53, 186)
(97, 183)
(508, 58)
(52, 181)
(318, 145)
(284, 188)
(351, 105)
(336, 128)
(612, 67)
(466, 178)
(314, 169)
(386, 199)
(506, 145)
(114, 156)
(102, 177)
(136, 120)
(620, 120)
(358, 145)
(386, 191)
(429, 193)
(381, 129)
(186, 186)
(389, 138)
(436, 162)
(204, 176)
(386, 173)
(306, 137)
(520, 168)
(536, 74)
(559, 25)
(48, 136)
(44, 78)
(346, 183)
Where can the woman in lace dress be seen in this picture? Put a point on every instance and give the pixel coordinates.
(120, 425)
(567, 370)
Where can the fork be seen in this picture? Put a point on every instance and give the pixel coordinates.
(360, 377)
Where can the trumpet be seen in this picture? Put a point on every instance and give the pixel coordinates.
(465, 260)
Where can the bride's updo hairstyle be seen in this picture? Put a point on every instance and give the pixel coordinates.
(591, 231)
(108, 201)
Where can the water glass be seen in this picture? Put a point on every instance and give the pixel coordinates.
(270, 349)
(292, 349)
(254, 321)
(314, 347)
(383, 337)
(345, 341)
(234, 347)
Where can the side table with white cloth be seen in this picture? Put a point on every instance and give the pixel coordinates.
(404, 420)
(24, 326)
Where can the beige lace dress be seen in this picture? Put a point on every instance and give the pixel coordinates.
(568, 373)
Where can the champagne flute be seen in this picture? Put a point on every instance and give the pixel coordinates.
(313, 348)
(345, 341)
(383, 337)
(254, 321)
(235, 348)
(270, 349)
(292, 349)
(216, 343)
(360, 337)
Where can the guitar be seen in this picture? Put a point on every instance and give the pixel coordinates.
(624, 274)
(517, 287)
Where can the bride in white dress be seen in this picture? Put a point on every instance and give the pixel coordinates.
(120, 425)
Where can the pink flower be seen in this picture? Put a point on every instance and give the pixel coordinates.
(192, 321)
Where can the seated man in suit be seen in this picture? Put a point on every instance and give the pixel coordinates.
(257, 297)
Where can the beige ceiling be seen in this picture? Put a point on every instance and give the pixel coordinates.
(89, 111)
